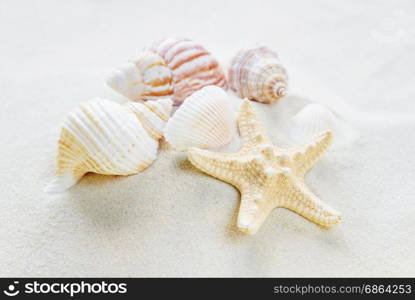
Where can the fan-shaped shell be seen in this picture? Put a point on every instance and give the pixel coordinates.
(205, 120)
(315, 118)
(145, 78)
(256, 73)
(105, 137)
(191, 65)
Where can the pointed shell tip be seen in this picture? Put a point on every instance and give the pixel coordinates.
(60, 184)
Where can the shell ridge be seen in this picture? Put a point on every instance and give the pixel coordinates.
(204, 120)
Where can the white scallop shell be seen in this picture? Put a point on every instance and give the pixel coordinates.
(311, 120)
(315, 118)
(191, 65)
(206, 119)
(145, 78)
(105, 137)
(257, 74)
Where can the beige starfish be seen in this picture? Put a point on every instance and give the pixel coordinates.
(267, 176)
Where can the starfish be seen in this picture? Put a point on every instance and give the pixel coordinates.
(267, 176)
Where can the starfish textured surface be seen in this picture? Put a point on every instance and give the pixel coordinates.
(268, 176)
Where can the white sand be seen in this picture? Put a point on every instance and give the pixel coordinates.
(171, 220)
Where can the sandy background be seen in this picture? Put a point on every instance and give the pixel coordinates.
(357, 57)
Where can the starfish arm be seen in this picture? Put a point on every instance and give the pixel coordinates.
(250, 128)
(301, 200)
(223, 166)
(308, 154)
(253, 210)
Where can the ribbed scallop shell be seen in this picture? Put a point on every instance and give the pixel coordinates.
(256, 73)
(192, 66)
(105, 137)
(145, 78)
(313, 119)
(205, 120)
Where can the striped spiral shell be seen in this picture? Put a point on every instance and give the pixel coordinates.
(105, 137)
(191, 65)
(145, 78)
(256, 73)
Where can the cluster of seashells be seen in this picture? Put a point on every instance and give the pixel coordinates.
(106, 137)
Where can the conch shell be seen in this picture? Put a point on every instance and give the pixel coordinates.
(257, 74)
(145, 78)
(204, 120)
(191, 65)
(105, 137)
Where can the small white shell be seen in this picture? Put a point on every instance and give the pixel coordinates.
(257, 74)
(205, 120)
(105, 137)
(315, 118)
(145, 78)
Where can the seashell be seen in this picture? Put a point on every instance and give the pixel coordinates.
(145, 78)
(105, 137)
(315, 118)
(205, 120)
(257, 74)
(191, 65)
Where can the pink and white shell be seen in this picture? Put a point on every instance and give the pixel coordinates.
(257, 73)
(191, 65)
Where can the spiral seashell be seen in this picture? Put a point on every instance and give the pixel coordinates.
(191, 65)
(205, 120)
(257, 74)
(105, 137)
(145, 78)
